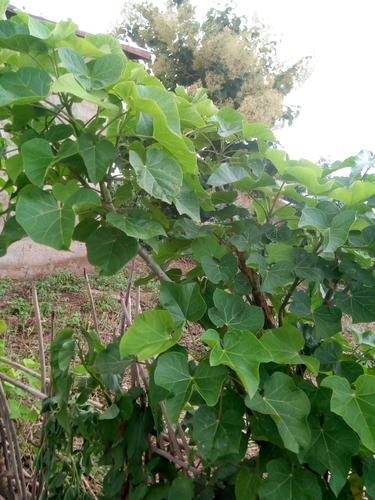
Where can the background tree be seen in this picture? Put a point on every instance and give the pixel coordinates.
(237, 61)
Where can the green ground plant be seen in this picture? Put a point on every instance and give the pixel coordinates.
(275, 403)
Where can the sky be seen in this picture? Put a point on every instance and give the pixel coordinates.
(337, 101)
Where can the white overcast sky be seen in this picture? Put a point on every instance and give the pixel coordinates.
(337, 102)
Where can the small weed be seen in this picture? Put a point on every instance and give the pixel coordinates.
(60, 281)
(19, 307)
(6, 286)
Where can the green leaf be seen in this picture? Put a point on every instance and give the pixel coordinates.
(208, 381)
(224, 270)
(231, 311)
(43, 220)
(306, 265)
(97, 157)
(110, 250)
(187, 202)
(359, 303)
(247, 485)
(288, 482)
(338, 233)
(61, 31)
(329, 354)
(370, 477)
(83, 200)
(109, 361)
(226, 174)
(181, 488)
(62, 192)
(301, 305)
(110, 413)
(105, 71)
(138, 225)
(12, 232)
(14, 166)
(75, 63)
(159, 176)
(331, 448)
(242, 352)
(313, 218)
(358, 193)
(258, 131)
(356, 408)
(67, 83)
(280, 274)
(183, 301)
(151, 333)
(37, 158)
(327, 321)
(288, 407)
(160, 104)
(172, 373)
(285, 344)
(59, 132)
(24, 86)
(207, 246)
(217, 433)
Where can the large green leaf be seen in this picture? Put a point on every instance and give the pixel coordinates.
(151, 333)
(15, 36)
(305, 263)
(338, 233)
(75, 63)
(356, 408)
(280, 274)
(43, 220)
(83, 200)
(108, 360)
(335, 233)
(327, 321)
(105, 71)
(12, 232)
(172, 373)
(96, 156)
(231, 311)
(159, 176)
(242, 352)
(257, 131)
(288, 407)
(247, 484)
(223, 270)
(331, 448)
(288, 482)
(67, 83)
(183, 301)
(37, 158)
(187, 202)
(138, 225)
(359, 303)
(110, 250)
(24, 86)
(217, 433)
(358, 193)
(226, 174)
(160, 104)
(285, 344)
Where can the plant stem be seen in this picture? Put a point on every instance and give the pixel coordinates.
(175, 460)
(92, 304)
(297, 281)
(152, 264)
(39, 330)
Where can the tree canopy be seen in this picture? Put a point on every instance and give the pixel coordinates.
(236, 60)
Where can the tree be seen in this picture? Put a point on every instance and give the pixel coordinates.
(235, 60)
(268, 368)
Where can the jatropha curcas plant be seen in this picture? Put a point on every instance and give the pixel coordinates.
(266, 398)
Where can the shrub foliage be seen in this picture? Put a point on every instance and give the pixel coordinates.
(265, 398)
